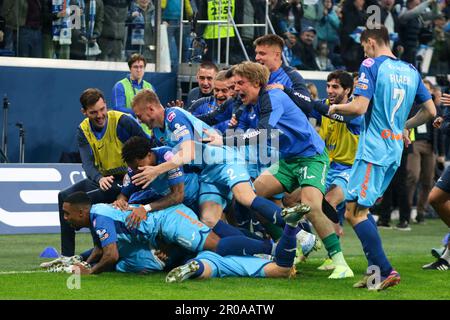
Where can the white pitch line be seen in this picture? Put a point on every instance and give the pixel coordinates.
(21, 272)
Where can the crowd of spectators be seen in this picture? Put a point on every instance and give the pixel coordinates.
(319, 34)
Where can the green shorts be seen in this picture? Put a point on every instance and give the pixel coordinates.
(302, 171)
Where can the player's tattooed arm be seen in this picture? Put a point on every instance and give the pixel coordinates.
(109, 259)
(95, 256)
(139, 214)
(149, 173)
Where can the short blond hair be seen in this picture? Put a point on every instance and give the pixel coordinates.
(147, 96)
(221, 76)
(253, 71)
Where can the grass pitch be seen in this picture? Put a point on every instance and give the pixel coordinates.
(407, 251)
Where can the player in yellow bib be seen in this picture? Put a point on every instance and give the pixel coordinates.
(100, 139)
(124, 90)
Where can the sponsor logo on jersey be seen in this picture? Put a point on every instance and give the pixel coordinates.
(171, 116)
(362, 86)
(389, 135)
(363, 78)
(175, 174)
(102, 234)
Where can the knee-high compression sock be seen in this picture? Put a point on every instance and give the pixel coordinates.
(371, 242)
(305, 226)
(286, 247)
(268, 210)
(242, 215)
(372, 220)
(200, 270)
(243, 246)
(274, 231)
(224, 230)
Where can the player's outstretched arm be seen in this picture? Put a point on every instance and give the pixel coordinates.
(185, 155)
(426, 113)
(95, 256)
(109, 258)
(357, 106)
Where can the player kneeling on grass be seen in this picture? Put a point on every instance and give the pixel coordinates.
(176, 225)
(208, 264)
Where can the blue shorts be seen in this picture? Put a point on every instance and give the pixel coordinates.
(444, 181)
(214, 193)
(180, 225)
(338, 175)
(216, 182)
(368, 182)
(137, 258)
(233, 266)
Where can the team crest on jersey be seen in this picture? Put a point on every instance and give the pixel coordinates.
(102, 234)
(368, 62)
(171, 116)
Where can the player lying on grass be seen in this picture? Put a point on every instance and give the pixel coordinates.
(177, 224)
(208, 264)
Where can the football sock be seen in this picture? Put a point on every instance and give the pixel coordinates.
(274, 231)
(268, 210)
(371, 219)
(305, 226)
(446, 255)
(223, 230)
(242, 215)
(200, 270)
(242, 246)
(333, 247)
(285, 250)
(371, 242)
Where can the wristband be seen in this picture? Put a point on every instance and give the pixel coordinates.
(148, 208)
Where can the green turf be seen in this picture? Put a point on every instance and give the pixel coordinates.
(408, 251)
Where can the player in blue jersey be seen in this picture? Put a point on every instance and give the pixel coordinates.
(386, 90)
(222, 89)
(174, 225)
(222, 170)
(303, 156)
(268, 49)
(208, 264)
(176, 186)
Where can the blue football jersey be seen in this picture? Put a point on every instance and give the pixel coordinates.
(181, 126)
(108, 226)
(392, 86)
(161, 185)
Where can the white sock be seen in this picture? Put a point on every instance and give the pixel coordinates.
(446, 255)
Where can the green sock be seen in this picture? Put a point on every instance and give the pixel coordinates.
(332, 244)
(333, 247)
(274, 231)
